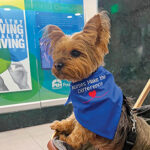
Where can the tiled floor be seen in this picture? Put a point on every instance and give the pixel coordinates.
(31, 138)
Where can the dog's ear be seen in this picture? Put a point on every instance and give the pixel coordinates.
(53, 33)
(97, 30)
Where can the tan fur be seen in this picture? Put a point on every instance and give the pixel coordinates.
(143, 135)
(92, 42)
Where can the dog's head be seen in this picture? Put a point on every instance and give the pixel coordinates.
(76, 57)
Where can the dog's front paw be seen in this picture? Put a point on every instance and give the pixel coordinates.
(70, 141)
(56, 125)
(62, 137)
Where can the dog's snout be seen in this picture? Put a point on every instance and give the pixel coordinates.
(59, 66)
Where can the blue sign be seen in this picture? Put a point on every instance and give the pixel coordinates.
(12, 33)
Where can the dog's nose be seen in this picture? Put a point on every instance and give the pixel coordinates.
(59, 66)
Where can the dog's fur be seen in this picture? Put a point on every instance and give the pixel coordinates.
(92, 43)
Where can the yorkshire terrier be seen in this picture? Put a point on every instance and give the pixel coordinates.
(101, 115)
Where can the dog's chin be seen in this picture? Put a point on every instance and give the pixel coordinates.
(60, 75)
(64, 76)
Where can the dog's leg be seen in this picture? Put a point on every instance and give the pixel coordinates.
(78, 137)
(66, 125)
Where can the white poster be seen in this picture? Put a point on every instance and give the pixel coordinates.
(14, 54)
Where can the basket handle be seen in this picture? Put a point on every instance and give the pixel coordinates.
(143, 95)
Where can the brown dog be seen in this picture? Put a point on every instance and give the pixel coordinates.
(75, 58)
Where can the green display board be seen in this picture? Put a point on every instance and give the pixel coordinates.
(25, 66)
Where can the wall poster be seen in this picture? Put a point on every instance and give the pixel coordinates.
(25, 66)
(14, 54)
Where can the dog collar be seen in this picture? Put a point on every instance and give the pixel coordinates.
(131, 137)
(97, 103)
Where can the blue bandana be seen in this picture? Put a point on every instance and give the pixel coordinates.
(97, 103)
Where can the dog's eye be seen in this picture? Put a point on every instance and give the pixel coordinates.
(75, 53)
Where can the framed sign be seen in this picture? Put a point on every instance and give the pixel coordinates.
(25, 66)
(15, 73)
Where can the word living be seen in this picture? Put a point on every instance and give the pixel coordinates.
(11, 33)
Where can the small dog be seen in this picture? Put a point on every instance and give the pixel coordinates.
(76, 58)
